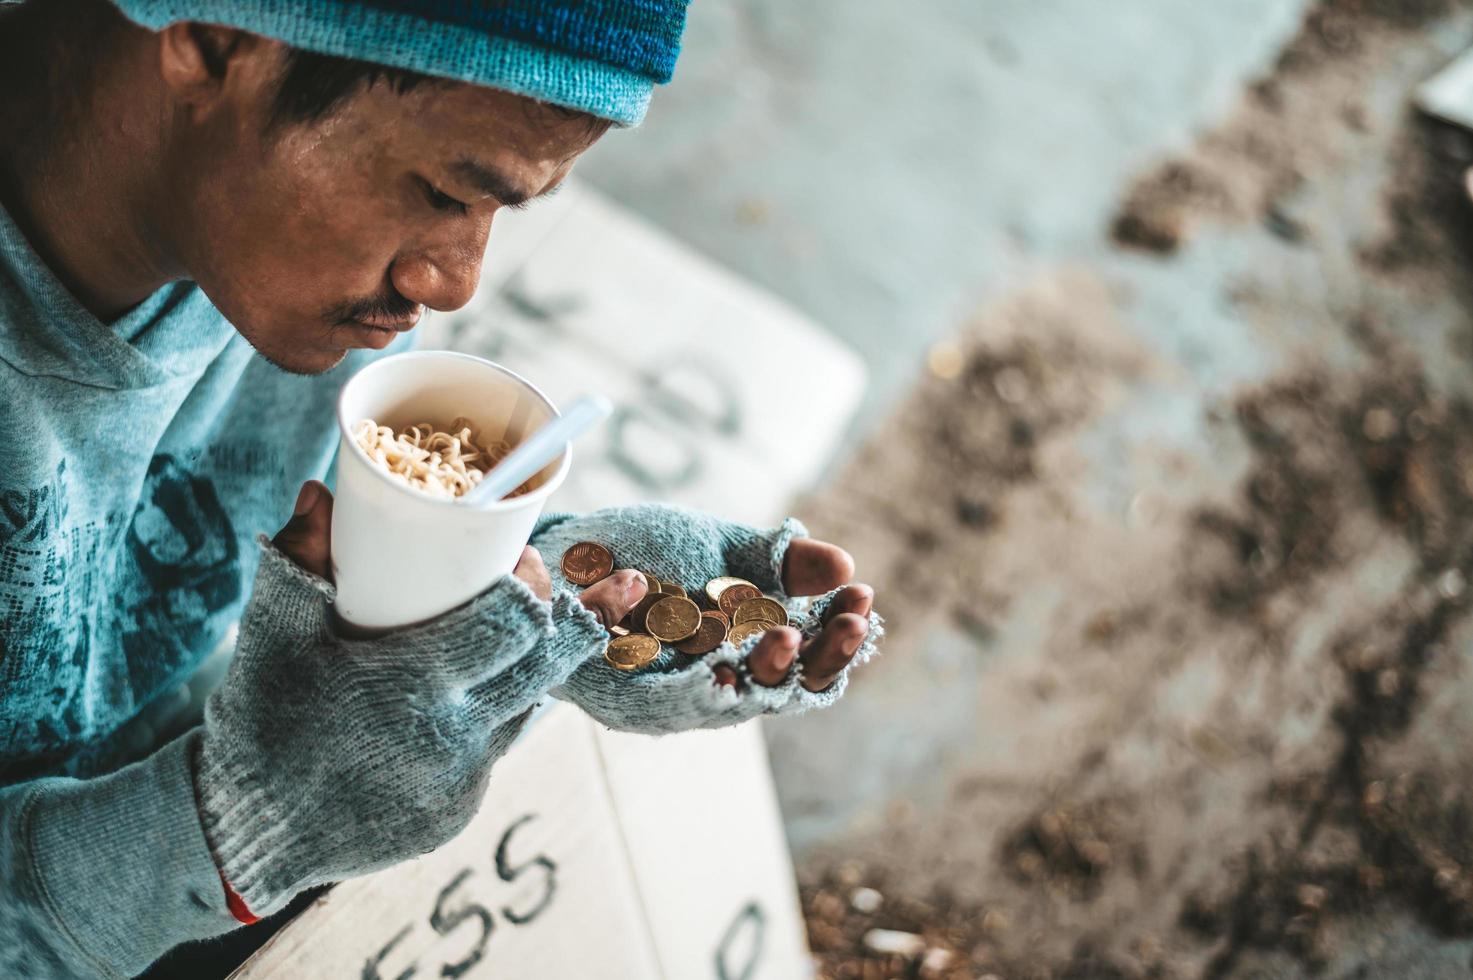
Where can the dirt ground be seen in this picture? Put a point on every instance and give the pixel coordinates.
(1176, 682)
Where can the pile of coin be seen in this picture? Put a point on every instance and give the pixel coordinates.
(725, 608)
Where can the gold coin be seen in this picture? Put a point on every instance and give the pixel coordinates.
(586, 562)
(707, 637)
(740, 633)
(716, 586)
(636, 618)
(762, 608)
(670, 588)
(734, 595)
(652, 581)
(673, 618)
(632, 651)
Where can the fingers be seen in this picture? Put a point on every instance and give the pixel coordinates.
(532, 571)
(828, 653)
(846, 624)
(773, 656)
(857, 599)
(307, 537)
(815, 567)
(612, 598)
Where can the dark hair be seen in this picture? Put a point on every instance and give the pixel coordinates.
(313, 86)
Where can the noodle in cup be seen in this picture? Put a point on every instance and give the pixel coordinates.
(401, 554)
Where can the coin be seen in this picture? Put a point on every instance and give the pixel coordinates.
(734, 595)
(707, 637)
(725, 619)
(632, 651)
(740, 633)
(670, 588)
(619, 630)
(761, 608)
(586, 562)
(716, 586)
(641, 609)
(652, 581)
(673, 618)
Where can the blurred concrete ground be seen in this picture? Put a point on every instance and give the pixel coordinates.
(889, 167)
(1174, 530)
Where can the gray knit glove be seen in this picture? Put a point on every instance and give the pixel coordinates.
(324, 758)
(677, 693)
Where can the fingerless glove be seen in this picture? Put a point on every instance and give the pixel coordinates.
(324, 757)
(675, 692)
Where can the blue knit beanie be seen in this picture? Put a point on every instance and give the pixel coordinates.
(602, 57)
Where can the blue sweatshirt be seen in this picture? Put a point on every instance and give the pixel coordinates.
(138, 459)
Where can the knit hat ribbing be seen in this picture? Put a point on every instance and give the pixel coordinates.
(603, 57)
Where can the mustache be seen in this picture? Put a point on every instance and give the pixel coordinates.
(391, 306)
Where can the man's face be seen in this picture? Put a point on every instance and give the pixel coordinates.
(317, 238)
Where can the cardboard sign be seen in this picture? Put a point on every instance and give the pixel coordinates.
(707, 852)
(538, 885)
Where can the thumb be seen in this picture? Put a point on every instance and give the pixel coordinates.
(612, 598)
(306, 539)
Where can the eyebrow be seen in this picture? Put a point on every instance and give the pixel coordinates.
(490, 181)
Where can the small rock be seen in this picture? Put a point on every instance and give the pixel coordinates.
(1450, 584)
(1097, 853)
(889, 942)
(866, 900)
(1102, 626)
(1051, 825)
(828, 908)
(935, 960)
(1011, 385)
(1158, 230)
(1312, 896)
(1379, 424)
(1282, 226)
(946, 361)
(975, 513)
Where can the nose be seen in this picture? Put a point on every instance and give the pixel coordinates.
(441, 278)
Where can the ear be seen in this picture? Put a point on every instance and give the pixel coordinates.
(196, 60)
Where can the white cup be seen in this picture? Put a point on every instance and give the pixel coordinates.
(400, 556)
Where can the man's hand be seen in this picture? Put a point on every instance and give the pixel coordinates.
(812, 568)
(307, 540)
(359, 752)
(809, 568)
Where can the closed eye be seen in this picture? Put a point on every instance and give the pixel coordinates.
(441, 201)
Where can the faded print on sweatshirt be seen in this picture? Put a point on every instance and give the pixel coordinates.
(138, 461)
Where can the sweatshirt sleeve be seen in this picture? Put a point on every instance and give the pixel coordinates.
(100, 877)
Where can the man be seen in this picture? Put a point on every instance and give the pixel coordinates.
(212, 213)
